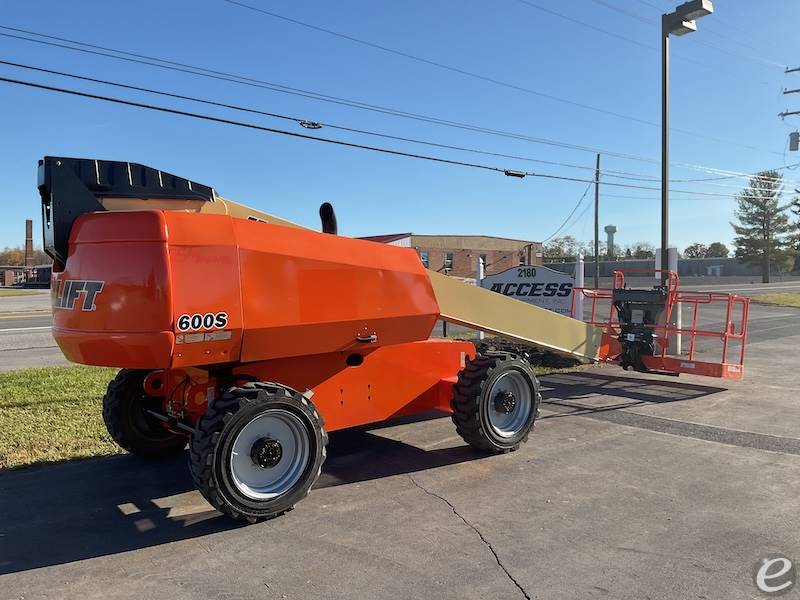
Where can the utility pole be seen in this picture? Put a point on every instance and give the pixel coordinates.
(794, 137)
(664, 266)
(597, 224)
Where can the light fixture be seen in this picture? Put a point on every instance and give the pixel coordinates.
(695, 9)
(682, 21)
(683, 28)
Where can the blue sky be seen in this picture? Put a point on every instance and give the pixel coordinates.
(726, 84)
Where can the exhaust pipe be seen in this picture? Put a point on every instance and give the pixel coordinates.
(328, 218)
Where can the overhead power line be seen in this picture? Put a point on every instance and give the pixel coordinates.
(313, 124)
(655, 23)
(625, 12)
(703, 181)
(487, 78)
(569, 216)
(252, 82)
(171, 65)
(737, 40)
(308, 123)
(578, 219)
(654, 48)
(656, 6)
(389, 151)
(437, 64)
(175, 111)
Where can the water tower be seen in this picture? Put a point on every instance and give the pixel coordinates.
(610, 231)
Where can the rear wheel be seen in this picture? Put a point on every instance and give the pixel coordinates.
(257, 451)
(495, 402)
(125, 407)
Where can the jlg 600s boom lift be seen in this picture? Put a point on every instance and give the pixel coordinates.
(250, 337)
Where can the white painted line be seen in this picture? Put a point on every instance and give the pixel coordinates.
(726, 288)
(787, 316)
(19, 329)
(767, 329)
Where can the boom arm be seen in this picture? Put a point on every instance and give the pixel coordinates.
(489, 311)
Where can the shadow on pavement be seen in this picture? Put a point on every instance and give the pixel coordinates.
(61, 513)
(563, 392)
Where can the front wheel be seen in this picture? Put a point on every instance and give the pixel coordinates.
(257, 451)
(495, 402)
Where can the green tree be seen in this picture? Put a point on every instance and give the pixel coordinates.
(717, 250)
(696, 250)
(763, 227)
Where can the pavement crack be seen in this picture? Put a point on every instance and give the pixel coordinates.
(486, 542)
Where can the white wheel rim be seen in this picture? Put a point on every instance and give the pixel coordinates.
(508, 424)
(260, 483)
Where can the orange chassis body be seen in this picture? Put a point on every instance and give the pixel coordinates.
(204, 300)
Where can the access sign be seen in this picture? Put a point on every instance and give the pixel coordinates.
(540, 286)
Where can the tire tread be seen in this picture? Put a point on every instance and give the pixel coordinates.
(466, 399)
(207, 436)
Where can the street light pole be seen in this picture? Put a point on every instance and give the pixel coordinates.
(597, 224)
(664, 146)
(680, 22)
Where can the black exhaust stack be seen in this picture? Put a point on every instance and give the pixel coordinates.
(328, 218)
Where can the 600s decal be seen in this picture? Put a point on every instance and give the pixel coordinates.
(198, 322)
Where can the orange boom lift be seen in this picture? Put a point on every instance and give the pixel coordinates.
(250, 337)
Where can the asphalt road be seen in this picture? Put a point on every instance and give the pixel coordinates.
(25, 320)
(25, 340)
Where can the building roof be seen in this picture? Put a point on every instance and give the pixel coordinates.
(471, 236)
(385, 239)
(392, 237)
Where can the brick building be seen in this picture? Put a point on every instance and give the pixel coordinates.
(457, 255)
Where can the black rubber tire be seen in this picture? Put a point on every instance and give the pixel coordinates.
(130, 426)
(470, 401)
(216, 432)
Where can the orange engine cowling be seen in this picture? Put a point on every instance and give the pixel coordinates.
(156, 289)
